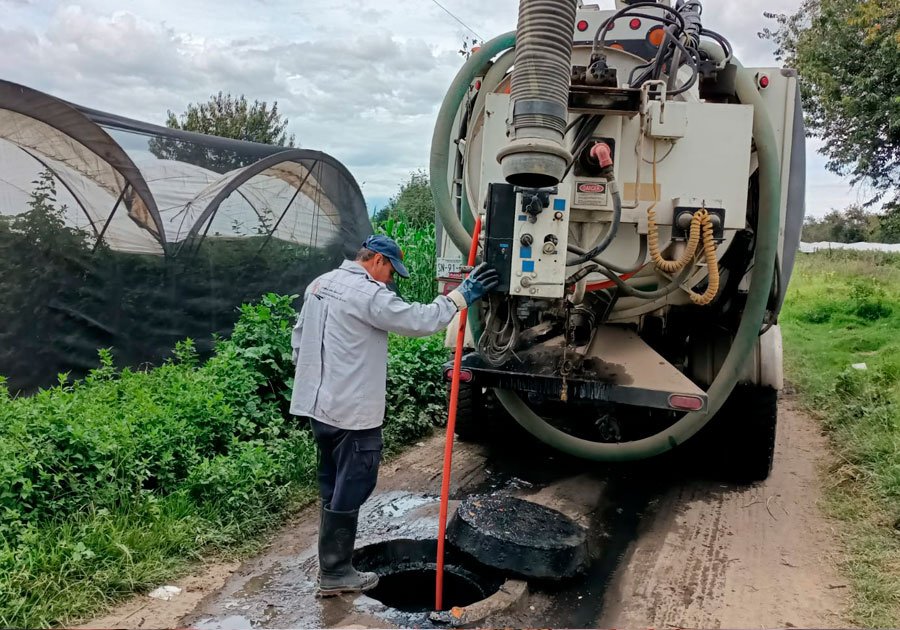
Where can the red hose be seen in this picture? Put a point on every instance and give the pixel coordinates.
(451, 426)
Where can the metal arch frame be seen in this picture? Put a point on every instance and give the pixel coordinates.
(62, 181)
(70, 122)
(86, 126)
(359, 212)
(269, 236)
(290, 155)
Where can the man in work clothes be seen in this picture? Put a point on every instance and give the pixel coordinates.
(340, 352)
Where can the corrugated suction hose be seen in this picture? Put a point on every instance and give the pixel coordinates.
(537, 155)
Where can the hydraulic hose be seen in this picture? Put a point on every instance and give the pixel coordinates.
(600, 247)
(639, 262)
(748, 330)
(629, 290)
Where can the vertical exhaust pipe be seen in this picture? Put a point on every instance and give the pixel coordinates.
(537, 156)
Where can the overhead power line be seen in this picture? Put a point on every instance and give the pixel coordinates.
(464, 25)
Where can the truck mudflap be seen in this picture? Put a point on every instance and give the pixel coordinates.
(617, 366)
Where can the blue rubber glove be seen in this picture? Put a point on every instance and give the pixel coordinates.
(481, 280)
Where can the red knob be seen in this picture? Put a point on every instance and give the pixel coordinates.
(601, 153)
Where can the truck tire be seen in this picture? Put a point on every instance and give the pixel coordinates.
(741, 437)
(478, 413)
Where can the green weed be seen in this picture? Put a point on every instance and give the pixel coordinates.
(114, 483)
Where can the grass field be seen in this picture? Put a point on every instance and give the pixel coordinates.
(843, 309)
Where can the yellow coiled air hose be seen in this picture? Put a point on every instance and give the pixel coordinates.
(700, 223)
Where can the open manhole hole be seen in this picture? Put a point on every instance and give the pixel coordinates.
(407, 570)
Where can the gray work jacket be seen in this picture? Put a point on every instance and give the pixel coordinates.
(340, 344)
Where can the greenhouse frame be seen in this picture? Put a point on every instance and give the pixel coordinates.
(123, 234)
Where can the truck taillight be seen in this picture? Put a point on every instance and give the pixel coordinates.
(683, 402)
(465, 376)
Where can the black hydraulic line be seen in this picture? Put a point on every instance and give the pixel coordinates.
(721, 41)
(582, 273)
(691, 11)
(582, 137)
(640, 261)
(670, 288)
(611, 234)
(600, 34)
(693, 64)
(653, 68)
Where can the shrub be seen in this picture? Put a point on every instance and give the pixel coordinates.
(109, 483)
(415, 388)
(869, 301)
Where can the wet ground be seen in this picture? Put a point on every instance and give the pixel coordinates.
(669, 545)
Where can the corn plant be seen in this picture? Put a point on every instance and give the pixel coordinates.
(418, 246)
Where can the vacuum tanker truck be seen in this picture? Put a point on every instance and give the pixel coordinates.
(641, 193)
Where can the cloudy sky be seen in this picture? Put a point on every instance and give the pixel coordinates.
(361, 81)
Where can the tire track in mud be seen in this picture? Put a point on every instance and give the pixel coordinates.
(714, 555)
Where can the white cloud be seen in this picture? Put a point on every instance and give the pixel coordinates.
(361, 81)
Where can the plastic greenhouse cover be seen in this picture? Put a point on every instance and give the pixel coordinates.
(119, 234)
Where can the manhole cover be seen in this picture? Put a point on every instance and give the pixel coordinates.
(519, 536)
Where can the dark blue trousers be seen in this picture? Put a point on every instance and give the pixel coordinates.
(348, 465)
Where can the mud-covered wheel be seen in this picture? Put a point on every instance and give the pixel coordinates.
(470, 416)
(479, 415)
(742, 435)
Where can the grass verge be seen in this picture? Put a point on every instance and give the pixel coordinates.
(843, 310)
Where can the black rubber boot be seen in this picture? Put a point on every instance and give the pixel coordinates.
(337, 535)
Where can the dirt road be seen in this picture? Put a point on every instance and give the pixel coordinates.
(669, 548)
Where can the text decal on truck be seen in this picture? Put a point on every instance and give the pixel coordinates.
(591, 195)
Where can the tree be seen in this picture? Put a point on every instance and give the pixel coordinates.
(890, 223)
(853, 225)
(847, 53)
(229, 117)
(413, 204)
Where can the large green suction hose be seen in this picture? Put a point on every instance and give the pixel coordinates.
(760, 279)
(475, 66)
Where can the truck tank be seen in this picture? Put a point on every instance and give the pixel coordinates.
(642, 195)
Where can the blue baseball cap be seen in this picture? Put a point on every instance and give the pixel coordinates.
(388, 248)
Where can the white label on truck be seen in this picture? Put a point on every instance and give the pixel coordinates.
(591, 194)
(448, 268)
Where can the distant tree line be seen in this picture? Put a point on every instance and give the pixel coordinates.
(854, 225)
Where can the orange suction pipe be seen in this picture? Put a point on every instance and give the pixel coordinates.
(451, 426)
